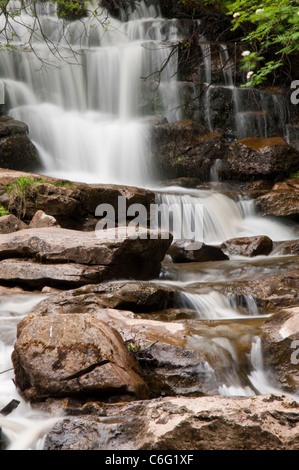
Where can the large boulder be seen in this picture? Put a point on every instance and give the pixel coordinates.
(17, 152)
(265, 422)
(73, 355)
(257, 158)
(116, 254)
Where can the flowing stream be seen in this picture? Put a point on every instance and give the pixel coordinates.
(88, 114)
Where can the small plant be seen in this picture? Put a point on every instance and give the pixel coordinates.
(3, 211)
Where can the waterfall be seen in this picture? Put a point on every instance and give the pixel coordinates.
(213, 218)
(85, 112)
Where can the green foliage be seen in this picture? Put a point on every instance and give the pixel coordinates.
(272, 26)
(3, 211)
(20, 186)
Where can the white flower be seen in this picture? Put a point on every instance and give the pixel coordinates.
(297, 12)
(236, 15)
(245, 53)
(259, 10)
(249, 75)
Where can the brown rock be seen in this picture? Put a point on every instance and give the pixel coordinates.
(117, 254)
(265, 422)
(281, 201)
(10, 223)
(136, 296)
(69, 355)
(256, 158)
(187, 251)
(41, 220)
(248, 246)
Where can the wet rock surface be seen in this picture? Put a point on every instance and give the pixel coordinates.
(269, 158)
(248, 246)
(188, 251)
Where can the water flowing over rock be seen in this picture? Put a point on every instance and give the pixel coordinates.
(138, 103)
(185, 148)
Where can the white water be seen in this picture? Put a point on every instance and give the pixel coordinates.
(24, 428)
(212, 217)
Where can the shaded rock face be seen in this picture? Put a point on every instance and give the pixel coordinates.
(136, 296)
(187, 251)
(204, 423)
(248, 246)
(256, 158)
(185, 148)
(69, 203)
(17, 152)
(10, 223)
(72, 258)
(73, 355)
(281, 347)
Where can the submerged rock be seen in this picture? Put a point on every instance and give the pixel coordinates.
(248, 246)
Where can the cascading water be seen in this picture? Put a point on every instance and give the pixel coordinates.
(87, 114)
